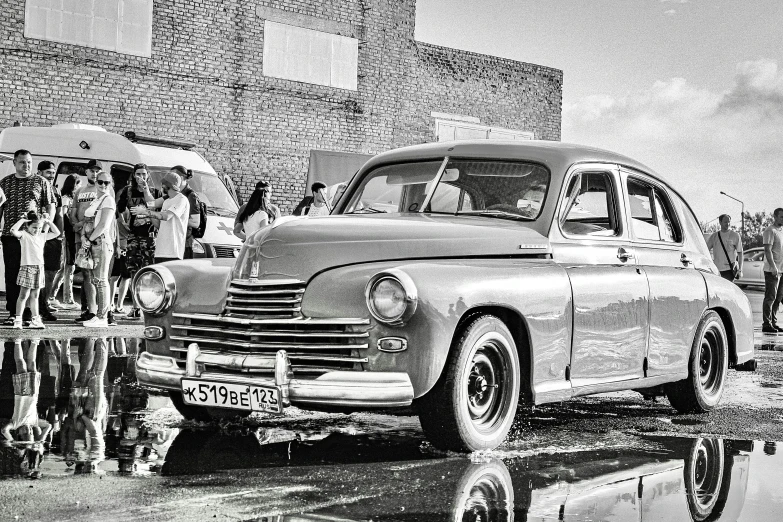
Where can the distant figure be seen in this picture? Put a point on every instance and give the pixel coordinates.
(173, 217)
(256, 213)
(773, 265)
(726, 248)
(315, 205)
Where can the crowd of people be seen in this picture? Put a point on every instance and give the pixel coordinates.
(109, 236)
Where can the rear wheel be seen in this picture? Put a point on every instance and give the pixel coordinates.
(473, 404)
(707, 368)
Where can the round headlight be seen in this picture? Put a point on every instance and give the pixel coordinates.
(154, 289)
(150, 291)
(391, 297)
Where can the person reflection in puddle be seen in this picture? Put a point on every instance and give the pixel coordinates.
(25, 431)
(82, 436)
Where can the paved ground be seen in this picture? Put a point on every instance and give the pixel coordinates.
(65, 327)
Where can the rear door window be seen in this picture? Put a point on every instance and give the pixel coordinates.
(651, 212)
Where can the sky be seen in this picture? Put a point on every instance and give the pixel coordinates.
(691, 88)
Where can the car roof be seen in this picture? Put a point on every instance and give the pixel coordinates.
(556, 155)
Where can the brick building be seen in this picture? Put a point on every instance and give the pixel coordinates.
(259, 84)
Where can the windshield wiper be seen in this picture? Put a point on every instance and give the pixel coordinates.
(502, 214)
(367, 210)
(220, 211)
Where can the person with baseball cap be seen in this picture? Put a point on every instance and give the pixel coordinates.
(82, 200)
(173, 217)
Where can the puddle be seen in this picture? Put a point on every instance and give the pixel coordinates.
(84, 418)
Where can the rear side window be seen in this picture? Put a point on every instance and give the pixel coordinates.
(652, 214)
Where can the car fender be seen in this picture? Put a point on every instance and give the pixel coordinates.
(733, 306)
(200, 286)
(538, 291)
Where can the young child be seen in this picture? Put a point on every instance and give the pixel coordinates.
(32, 233)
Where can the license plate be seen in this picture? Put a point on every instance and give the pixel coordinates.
(234, 396)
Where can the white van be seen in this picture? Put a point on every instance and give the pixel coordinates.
(70, 146)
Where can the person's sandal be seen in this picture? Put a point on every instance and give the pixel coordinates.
(10, 320)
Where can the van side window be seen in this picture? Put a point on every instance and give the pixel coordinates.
(590, 206)
(652, 215)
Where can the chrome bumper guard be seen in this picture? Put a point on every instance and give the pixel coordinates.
(337, 388)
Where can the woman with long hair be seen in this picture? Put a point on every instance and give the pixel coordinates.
(64, 276)
(256, 213)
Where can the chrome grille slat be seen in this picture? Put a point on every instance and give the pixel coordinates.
(256, 309)
(268, 346)
(243, 291)
(267, 282)
(288, 321)
(244, 300)
(275, 333)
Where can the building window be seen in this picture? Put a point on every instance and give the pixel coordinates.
(305, 55)
(124, 26)
(446, 130)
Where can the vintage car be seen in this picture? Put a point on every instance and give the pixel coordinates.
(752, 268)
(454, 280)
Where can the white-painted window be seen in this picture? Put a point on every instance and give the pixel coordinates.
(448, 130)
(124, 26)
(309, 56)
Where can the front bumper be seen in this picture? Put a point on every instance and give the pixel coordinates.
(334, 389)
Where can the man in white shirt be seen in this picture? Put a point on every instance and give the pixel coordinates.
(726, 246)
(773, 266)
(173, 217)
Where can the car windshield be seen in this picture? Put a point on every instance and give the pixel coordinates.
(492, 188)
(209, 188)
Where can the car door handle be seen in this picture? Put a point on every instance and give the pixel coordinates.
(624, 255)
(685, 260)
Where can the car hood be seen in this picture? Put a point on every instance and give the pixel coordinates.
(298, 248)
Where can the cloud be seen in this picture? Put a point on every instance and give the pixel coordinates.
(674, 1)
(700, 140)
(670, 12)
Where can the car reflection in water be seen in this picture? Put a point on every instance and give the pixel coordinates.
(88, 415)
(680, 479)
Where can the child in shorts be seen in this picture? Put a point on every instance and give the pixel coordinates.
(32, 233)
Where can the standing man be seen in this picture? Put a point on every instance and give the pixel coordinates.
(81, 200)
(194, 217)
(24, 191)
(53, 248)
(173, 217)
(773, 266)
(726, 248)
(315, 205)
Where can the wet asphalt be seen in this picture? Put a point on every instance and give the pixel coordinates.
(613, 456)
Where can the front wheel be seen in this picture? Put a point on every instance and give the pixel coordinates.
(707, 368)
(473, 404)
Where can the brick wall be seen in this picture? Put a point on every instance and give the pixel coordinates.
(203, 84)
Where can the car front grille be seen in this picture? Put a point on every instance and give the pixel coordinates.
(277, 298)
(225, 251)
(250, 345)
